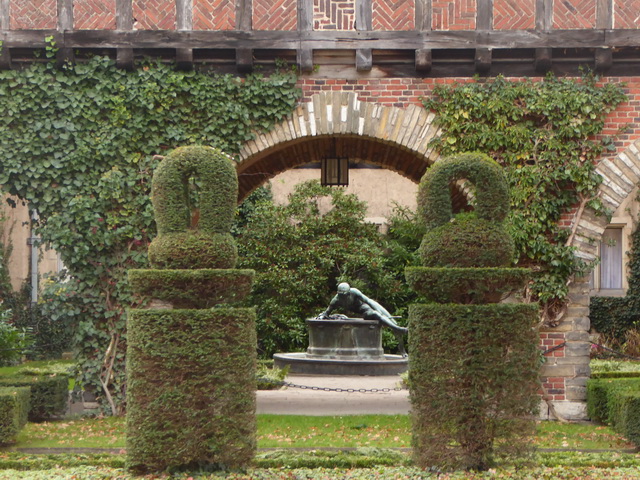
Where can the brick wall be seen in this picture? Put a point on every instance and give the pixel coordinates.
(514, 14)
(334, 14)
(572, 14)
(154, 14)
(626, 14)
(275, 15)
(214, 14)
(393, 15)
(33, 14)
(454, 14)
(94, 14)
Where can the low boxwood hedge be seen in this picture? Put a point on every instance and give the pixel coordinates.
(14, 408)
(49, 394)
(617, 403)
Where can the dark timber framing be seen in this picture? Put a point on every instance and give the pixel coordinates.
(421, 52)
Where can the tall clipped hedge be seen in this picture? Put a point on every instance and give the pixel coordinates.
(191, 368)
(473, 367)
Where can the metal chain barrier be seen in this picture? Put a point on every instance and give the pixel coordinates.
(610, 350)
(343, 390)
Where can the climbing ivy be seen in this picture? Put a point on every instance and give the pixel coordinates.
(547, 136)
(79, 144)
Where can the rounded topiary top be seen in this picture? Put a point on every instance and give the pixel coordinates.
(218, 194)
(491, 194)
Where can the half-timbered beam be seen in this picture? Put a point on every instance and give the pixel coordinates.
(124, 25)
(327, 40)
(184, 22)
(244, 56)
(604, 19)
(5, 16)
(364, 56)
(65, 22)
(423, 21)
(305, 24)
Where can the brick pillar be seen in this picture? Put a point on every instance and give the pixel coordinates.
(566, 370)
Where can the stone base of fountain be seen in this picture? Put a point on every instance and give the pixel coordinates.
(350, 346)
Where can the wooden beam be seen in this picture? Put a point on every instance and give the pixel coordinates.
(604, 59)
(184, 22)
(5, 24)
(244, 56)
(424, 61)
(604, 14)
(543, 60)
(484, 16)
(364, 15)
(544, 15)
(483, 60)
(124, 25)
(484, 23)
(304, 55)
(329, 40)
(65, 22)
(423, 15)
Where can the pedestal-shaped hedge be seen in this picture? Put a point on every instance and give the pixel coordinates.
(473, 367)
(191, 357)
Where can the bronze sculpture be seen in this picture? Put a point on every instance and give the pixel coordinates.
(353, 300)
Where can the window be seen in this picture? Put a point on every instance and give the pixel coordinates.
(611, 267)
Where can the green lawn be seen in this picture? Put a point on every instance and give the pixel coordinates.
(286, 431)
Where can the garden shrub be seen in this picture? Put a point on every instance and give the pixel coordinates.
(617, 403)
(14, 342)
(473, 368)
(14, 409)
(49, 394)
(191, 370)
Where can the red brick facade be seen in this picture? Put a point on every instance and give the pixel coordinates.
(214, 14)
(626, 14)
(154, 14)
(393, 15)
(334, 14)
(571, 14)
(33, 14)
(454, 14)
(514, 14)
(94, 14)
(275, 15)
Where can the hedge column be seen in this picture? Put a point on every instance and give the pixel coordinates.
(473, 366)
(191, 360)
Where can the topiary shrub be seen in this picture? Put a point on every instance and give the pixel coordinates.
(191, 368)
(473, 368)
(14, 408)
(49, 394)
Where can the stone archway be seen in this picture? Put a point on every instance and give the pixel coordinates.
(391, 137)
(620, 175)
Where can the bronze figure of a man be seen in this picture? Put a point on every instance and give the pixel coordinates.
(353, 300)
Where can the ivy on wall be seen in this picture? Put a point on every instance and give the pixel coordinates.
(79, 145)
(546, 136)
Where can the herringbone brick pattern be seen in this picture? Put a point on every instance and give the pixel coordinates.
(393, 15)
(626, 14)
(154, 14)
(214, 15)
(275, 15)
(33, 14)
(514, 14)
(572, 14)
(334, 14)
(454, 14)
(94, 14)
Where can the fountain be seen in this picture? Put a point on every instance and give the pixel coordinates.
(339, 345)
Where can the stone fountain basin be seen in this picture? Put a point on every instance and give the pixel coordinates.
(350, 346)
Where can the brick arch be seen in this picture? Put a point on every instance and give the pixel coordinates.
(620, 175)
(391, 137)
